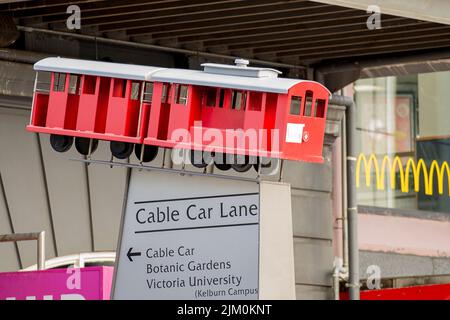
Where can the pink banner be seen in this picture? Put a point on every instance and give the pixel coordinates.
(92, 283)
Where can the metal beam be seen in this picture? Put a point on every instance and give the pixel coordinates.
(96, 13)
(323, 29)
(154, 47)
(38, 4)
(388, 49)
(344, 34)
(433, 11)
(371, 40)
(232, 15)
(205, 31)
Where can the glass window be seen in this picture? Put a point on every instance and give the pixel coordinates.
(320, 108)
(89, 84)
(238, 99)
(296, 103)
(165, 93)
(74, 84)
(404, 142)
(181, 94)
(221, 98)
(255, 101)
(307, 112)
(120, 86)
(59, 82)
(148, 92)
(210, 97)
(43, 81)
(135, 89)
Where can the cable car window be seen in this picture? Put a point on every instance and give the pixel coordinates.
(181, 94)
(43, 81)
(120, 86)
(59, 82)
(165, 93)
(74, 84)
(210, 97)
(148, 91)
(296, 102)
(221, 98)
(135, 89)
(320, 108)
(238, 100)
(89, 84)
(308, 104)
(255, 101)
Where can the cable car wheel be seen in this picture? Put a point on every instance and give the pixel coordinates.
(266, 163)
(241, 167)
(84, 144)
(196, 155)
(222, 164)
(149, 153)
(121, 150)
(61, 143)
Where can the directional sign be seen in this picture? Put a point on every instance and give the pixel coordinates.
(186, 237)
(132, 254)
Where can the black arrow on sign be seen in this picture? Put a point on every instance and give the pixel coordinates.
(132, 254)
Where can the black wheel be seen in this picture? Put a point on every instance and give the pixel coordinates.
(121, 150)
(150, 152)
(82, 145)
(221, 161)
(200, 159)
(61, 143)
(241, 163)
(265, 163)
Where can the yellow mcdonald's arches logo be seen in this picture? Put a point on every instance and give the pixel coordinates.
(417, 169)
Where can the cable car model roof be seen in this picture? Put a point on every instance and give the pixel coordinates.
(238, 76)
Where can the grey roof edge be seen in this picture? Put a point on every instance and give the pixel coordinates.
(97, 68)
(185, 76)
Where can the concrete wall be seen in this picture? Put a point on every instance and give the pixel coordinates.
(404, 243)
(312, 227)
(78, 206)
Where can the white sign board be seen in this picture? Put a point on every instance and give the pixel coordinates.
(188, 237)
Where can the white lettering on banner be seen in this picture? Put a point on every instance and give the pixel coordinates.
(67, 296)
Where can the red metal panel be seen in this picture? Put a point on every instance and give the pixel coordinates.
(123, 112)
(427, 292)
(180, 114)
(93, 104)
(117, 107)
(56, 113)
(40, 107)
(309, 125)
(159, 115)
(254, 124)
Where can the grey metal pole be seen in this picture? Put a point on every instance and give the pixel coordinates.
(352, 214)
(39, 236)
(41, 251)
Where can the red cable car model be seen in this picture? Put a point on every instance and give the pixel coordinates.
(223, 109)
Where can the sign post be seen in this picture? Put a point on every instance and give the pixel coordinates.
(186, 237)
(193, 237)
